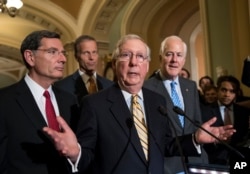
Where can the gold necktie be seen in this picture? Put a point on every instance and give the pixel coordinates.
(92, 85)
(140, 124)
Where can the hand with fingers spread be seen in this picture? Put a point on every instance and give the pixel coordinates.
(64, 141)
(221, 132)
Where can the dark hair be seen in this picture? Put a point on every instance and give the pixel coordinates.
(33, 41)
(231, 79)
(208, 88)
(184, 69)
(206, 77)
(81, 39)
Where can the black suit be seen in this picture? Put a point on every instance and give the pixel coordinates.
(219, 154)
(24, 149)
(192, 109)
(105, 132)
(74, 84)
(246, 73)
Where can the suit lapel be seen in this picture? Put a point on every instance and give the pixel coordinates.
(26, 101)
(80, 88)
(122, 118)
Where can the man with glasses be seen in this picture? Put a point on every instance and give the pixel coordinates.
(32, 103)
(121, 129)
(85, 80)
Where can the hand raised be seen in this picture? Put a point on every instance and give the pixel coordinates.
(65, 141)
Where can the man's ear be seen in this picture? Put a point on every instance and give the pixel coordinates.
(29, 57)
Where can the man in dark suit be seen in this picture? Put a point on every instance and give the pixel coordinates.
(228, 87)
(24, 149)
(108, 132)
(245, 78)
(172, 59)
(86, 54)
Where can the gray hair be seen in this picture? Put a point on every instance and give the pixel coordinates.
(163, 44)
(125, 38)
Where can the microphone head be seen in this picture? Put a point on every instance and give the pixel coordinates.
(178, 110)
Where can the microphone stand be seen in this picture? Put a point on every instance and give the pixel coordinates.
(181, 112)
(164, 112)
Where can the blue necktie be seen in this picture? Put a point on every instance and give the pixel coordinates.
(176, 101)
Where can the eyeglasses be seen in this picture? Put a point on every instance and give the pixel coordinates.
(126, 56)
(54, 52)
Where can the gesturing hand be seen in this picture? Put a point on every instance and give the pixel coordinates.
(221, 132)
(65, 141)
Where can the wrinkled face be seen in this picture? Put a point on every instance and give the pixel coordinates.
(226, 93)
(173, 59)
(88, 56)
(210, 96)
(132, 72)
(47, 62)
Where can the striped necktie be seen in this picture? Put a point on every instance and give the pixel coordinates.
(140, 124)
(176, 100)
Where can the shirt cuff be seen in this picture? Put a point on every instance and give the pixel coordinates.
(74, 166)
(196, 145)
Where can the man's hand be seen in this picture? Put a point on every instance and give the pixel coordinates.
(65, 141)
(221, 132)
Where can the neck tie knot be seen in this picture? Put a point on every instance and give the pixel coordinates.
(46, 94)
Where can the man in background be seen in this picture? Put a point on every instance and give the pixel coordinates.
(172, 59)
(227, 112)
(85, 80)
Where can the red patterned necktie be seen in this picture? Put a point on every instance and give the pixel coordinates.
(50, 112)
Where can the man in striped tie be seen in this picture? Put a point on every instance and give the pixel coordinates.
(121, 129)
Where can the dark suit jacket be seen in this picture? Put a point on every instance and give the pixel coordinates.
(24, 149)
(75, 85)
(245, 78)
(192, 109)
(109, 139)
(219, 154)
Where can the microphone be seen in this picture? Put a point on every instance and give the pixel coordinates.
(163, 111)
(129, 123)
(179, 111)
